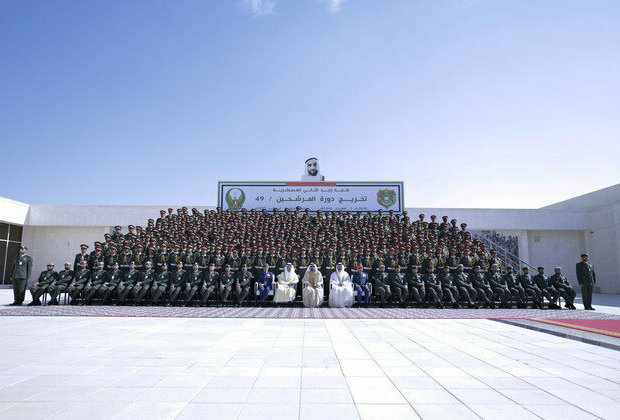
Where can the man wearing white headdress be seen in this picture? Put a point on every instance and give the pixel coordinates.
(313, 287)
(340, 288)
(286, 288)
(312, 172)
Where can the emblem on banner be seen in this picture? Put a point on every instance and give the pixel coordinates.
(235, 197)
(386, 198)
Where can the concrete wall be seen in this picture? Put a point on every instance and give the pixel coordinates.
(549, 249)
(604, 246)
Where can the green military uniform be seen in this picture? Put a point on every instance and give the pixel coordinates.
(417, 289)
(143, 285)
(227, 279)
(160, 285)
(178, 282)
(116, 279)
(81, 279)
(546, 290)
(399, 286)
(242, 285)
(382, 286)
(499, 287)
(483, 288)
(210, 285)
(65, 278)
(586, 277)
(448, 288)
(132, 277)
(466, 289)
(43, 285)
(433, 287)
(194, 281)
(516, 290)
(20, 273)
(96, 281)
(525, 280)
(564, 289)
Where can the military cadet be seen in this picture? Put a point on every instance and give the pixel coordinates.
(433, 286)
(125, 258)
(95, 281)
(81, 278)
(96, 258)
(467, 261)
(64, 279)
(516, 290)
(126, 285)
(482, 286)
(264, 282)
(234, 261)
(586, 277)
(452, 260)
(382, 284)
(203, 259)
(466, 289)
(143, 285)
(259, 261)
(189, 257)
(361, 284)
(499, 286)
(151, 257)
(139, 257)
(210, 284)
(495, 260)
(43, 285)
(546, 289)
(531, 289)
(194, 281)
(175, 257)
(303, 261)
(563, 287)
(448, 288)
(417, 288)
(329, 266)
(227, 279)
(391, 262)
(178, 282)
(82, 256)
(160, 283)
(399, 286)
(243, 283)
(218, 259)
(116, 278)
(117, 233)
(112, 257)
(163, 257)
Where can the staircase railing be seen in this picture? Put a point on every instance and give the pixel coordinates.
(507, 257)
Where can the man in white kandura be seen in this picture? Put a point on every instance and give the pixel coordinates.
(340, 288)
(313, 287)
(286, 288)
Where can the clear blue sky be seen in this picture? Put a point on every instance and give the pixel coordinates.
(473, 103)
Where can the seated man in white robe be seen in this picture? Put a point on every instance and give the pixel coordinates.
(313, 287)
(340, 288)
(286, 288)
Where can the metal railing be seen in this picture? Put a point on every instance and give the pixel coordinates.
(507, 257)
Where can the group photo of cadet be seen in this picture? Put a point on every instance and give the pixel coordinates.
(336, 259)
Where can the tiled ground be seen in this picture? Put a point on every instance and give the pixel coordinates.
(91, 367)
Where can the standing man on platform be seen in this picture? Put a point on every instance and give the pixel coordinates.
(587, 279)
(20, 273)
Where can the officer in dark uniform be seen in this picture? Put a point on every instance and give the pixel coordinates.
(65, 278)
(564, 288)
(586, 277)
(546, 289)
(43, 285)
(210, 284)
(82, 256)
(98, 278)
(143, 285)
(531, 289)
(361, 284)
(80, 280)
(433, 286)
(178, 282)
(132, 278)
(116, 278)
(227, 279)
(483, 288)
(382, 284)
(160, 283)
(499, 286)
(194, 282)
(466, 289)
(399, 286)
(516, 290)
(264, 282)
(243, 283)
(448, 288)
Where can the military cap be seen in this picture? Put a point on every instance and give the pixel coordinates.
(584, 255)
(126, 247)
(131, 227)
(558, 268)
(540, 268)
(117, 227)
(83, 246)
(525, 269)
(139, 246)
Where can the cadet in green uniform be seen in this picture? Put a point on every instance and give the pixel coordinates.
(19, 275)
(433, 285)
(194, 281)
(546, 289)
(242, 284)
(399, 286)
(178, 282)
(516, 290)
(448, 288)
(81, 278)
(417, 289)
(466, 289)
(525, 280)
(483, 288)
(210, 284)
(43, 285)
(160, 284)
(96, 280)
(564, 288)
(82, 256)
(498, 285)
(587, 279)
(132, 277)
(64, 279)
(116, 278)
(382, 284)
(227, 279)
(143, 285)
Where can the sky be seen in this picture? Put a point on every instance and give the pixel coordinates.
(472, 103)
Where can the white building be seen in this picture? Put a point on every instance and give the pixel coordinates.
(549, 236)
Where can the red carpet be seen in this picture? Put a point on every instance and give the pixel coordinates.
(601, 326)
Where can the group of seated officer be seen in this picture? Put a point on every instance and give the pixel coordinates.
(195, 286)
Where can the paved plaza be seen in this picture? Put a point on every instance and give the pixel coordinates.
(119, 367)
